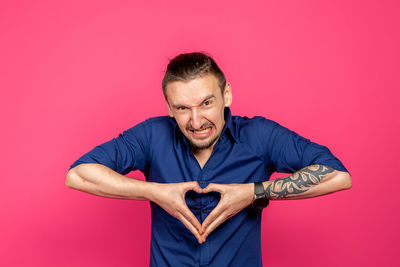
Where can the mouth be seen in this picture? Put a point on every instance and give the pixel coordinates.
(201, 133)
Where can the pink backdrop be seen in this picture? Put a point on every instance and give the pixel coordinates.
(74, 74)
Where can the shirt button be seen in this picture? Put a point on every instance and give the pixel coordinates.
(204, 210)
(201, 182)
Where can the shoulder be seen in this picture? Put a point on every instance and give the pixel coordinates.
(149, 128)
(256, 126)
(260, 132)
(154, 124)
(149, 133)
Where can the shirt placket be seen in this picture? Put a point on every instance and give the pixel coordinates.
(201, 177)
(205, 247)
(203, 203)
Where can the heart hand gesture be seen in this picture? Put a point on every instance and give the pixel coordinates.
(171, 197)
(234, 198)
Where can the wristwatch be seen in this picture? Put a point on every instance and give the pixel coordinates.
(260, 201)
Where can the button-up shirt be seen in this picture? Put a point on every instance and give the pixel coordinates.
(248, 150)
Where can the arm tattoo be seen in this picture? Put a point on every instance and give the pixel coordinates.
(297, 183)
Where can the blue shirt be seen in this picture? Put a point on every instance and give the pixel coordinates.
(248, 150)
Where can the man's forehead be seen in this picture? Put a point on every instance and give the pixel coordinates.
(192, 91)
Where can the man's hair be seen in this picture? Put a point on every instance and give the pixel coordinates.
(188, 66)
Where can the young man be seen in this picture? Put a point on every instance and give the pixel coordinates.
(206, 171)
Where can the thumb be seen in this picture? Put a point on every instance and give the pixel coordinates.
(197, 188)
(212, 187)
(194, 186)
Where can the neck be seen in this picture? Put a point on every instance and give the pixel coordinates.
(202, 155)
(202, 152)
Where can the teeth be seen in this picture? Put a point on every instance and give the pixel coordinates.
(202, 131)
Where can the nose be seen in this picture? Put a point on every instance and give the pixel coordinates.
(195, 119)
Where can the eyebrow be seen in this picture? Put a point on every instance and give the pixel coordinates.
(208, 97)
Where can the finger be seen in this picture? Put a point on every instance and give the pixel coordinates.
(213, 187)
(214, 214)
(193, 186)
(191, 228)
(198, 189)
(214, 224)
(189, 216)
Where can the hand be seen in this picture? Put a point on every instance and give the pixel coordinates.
(234, 198)
(171, 197)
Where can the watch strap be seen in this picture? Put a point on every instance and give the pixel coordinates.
(259, 189)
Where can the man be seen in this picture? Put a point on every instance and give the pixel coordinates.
(204, 170)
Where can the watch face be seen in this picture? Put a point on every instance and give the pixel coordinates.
(260, 203)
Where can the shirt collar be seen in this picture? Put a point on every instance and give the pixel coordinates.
(228, 127)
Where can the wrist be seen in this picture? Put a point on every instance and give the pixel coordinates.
(150, 191)
(249, 193)
(260, 200)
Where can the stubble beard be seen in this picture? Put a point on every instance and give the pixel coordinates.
(207, 145)
(203, 146)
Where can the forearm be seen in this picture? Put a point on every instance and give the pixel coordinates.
(309, 182)
(100, 180)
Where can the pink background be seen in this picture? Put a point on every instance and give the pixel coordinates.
(73, 74)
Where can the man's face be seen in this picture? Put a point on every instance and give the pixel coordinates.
(198, 107)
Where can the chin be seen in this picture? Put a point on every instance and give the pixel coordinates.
(203, 145)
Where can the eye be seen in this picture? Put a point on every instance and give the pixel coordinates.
(207, 103)
(181, 108)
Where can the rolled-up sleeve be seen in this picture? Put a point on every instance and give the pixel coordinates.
(127, 152)
(286, 151)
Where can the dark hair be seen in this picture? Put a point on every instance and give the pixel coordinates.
(188, 66)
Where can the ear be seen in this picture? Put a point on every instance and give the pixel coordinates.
(228, 95)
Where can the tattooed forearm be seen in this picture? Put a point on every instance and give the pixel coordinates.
(298, 182)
